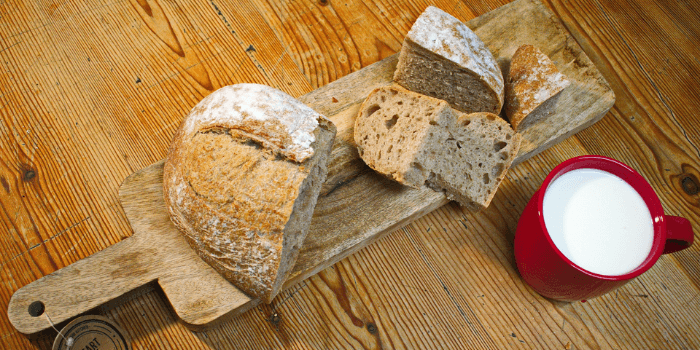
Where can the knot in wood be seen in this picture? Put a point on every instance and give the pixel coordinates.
(690, 185)
(28, 174)
(275, 319)
(371, 328)
(323, 2)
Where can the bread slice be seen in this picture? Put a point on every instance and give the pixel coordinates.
(441, 57)
(533, 87)
(241, 180)
(417, 140)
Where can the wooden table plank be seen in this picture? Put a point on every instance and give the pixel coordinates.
(355, 206)
(421, 287)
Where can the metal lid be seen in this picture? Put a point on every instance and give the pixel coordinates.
(92, 332)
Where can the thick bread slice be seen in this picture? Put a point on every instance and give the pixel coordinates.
(416, 140)
(533, 87)
(475, 158)
(241, 180)
(441, 57)
(392, 128)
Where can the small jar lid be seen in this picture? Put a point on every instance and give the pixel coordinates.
(92, 332)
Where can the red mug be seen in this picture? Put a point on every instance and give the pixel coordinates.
(549, 272)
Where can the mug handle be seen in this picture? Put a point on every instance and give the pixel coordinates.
(679, 234)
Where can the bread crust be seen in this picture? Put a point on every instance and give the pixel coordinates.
(532, 87)
(241, 179)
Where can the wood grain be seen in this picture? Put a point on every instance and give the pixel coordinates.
(355, 208)
(69, 62)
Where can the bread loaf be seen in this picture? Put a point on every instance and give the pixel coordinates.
(533, 87)
(441, 57)
(241, 180)
(417, 140)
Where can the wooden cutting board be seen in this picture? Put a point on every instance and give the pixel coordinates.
(356, 205)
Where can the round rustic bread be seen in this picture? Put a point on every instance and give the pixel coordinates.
(241, 180)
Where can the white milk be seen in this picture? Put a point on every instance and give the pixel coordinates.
(598, 221)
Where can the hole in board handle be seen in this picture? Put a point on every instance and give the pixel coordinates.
(36, 309)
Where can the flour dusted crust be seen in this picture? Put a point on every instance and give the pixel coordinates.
(442, 33)
(241, 179)
(534, 83)
(284, 123)
(441, 57)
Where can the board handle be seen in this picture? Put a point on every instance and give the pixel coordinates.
(81, 286)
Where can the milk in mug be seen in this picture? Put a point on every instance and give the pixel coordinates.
(598, 221)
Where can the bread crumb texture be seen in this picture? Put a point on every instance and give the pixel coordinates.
(241, 180)
(418, 140)
(533, 79)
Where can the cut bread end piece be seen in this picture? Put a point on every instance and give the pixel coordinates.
(418, 140)
(533, 87)
(441, 57)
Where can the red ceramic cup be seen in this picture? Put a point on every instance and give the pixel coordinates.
(544, 267)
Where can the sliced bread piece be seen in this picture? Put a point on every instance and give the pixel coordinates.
(475, 158)
(241, 180)
(441, 57)
(417, 140)
(392, 130)
(533, 87)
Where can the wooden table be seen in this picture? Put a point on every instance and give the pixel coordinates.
(92, 91)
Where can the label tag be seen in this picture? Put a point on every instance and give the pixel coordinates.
(92, 332)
